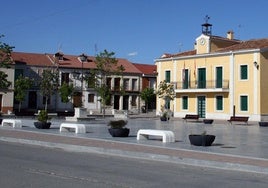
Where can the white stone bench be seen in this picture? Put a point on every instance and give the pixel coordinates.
(79, 128)
(167, 136)
(15, 123)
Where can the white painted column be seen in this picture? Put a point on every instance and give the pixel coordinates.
(255, 86)
(175, 80)
(121, 103)
(231, 84)
(129, 102)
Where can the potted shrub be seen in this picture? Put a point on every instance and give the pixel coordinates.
(42, 122)
(118, 129)
(164, 114)
(201, 139)
(167, 93)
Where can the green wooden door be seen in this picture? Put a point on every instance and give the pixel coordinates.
(202, 78)
(201, 105)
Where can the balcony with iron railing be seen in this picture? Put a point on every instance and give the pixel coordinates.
(201, 86)
(126, 89)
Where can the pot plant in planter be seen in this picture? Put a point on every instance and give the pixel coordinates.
(201, 139)
(164, 114)
(42, 122)
(166, 92)
(118, 129)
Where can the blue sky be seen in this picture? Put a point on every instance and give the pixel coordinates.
(138, 30)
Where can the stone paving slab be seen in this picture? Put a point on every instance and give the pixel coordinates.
(137, 150)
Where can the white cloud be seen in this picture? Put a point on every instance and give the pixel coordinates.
(132, 54)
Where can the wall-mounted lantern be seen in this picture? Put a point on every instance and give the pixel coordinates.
(256, 64)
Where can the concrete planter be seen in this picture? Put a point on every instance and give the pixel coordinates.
(121, 132)
(263, 123)
(201, 140)
(208, 121)
(42, 125)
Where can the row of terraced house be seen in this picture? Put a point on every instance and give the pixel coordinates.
(71, 69)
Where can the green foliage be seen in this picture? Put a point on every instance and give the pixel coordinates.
(117, 124)
(22, 84)
(147, 95)
(5, 60)
(43, 116)
(4, 83)
(49, 83)
(106, 65)
(66, 91)
(166, 91)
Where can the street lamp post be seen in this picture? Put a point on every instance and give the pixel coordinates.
(83, 58)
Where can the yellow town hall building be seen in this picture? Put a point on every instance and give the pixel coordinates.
(219, 78)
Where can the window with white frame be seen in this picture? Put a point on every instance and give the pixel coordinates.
(243, 103)
(243, 72)
(167, 76)
(126, 84)
(134, 84)
(90, 98)
(185, 102)
(219, 103)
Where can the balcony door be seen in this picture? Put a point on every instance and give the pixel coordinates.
(185, 79)
(218, 77)
(202, 78)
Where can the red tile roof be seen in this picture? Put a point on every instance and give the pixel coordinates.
(146, 68)
(192, 52)
(31, 59)
(69, 61)
(246, 45)
(238, 45)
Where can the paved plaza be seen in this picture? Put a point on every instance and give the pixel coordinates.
(236, 146)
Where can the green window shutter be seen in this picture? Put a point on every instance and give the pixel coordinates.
(219, 103)
(244, 72)
(184, 102)
(167, 76)
(244, 103)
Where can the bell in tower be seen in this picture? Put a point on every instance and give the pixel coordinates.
(207, 27)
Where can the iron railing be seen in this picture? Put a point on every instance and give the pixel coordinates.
(208, 84)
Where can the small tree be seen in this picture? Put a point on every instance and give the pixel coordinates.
(5, 59)
(106, 65)
(147, 95)
(166, 91)
(22, 84)
(49, 84)
(66, 91)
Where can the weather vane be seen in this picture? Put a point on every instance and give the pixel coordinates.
(207, 18)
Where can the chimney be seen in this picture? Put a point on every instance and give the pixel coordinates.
(230, 35)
